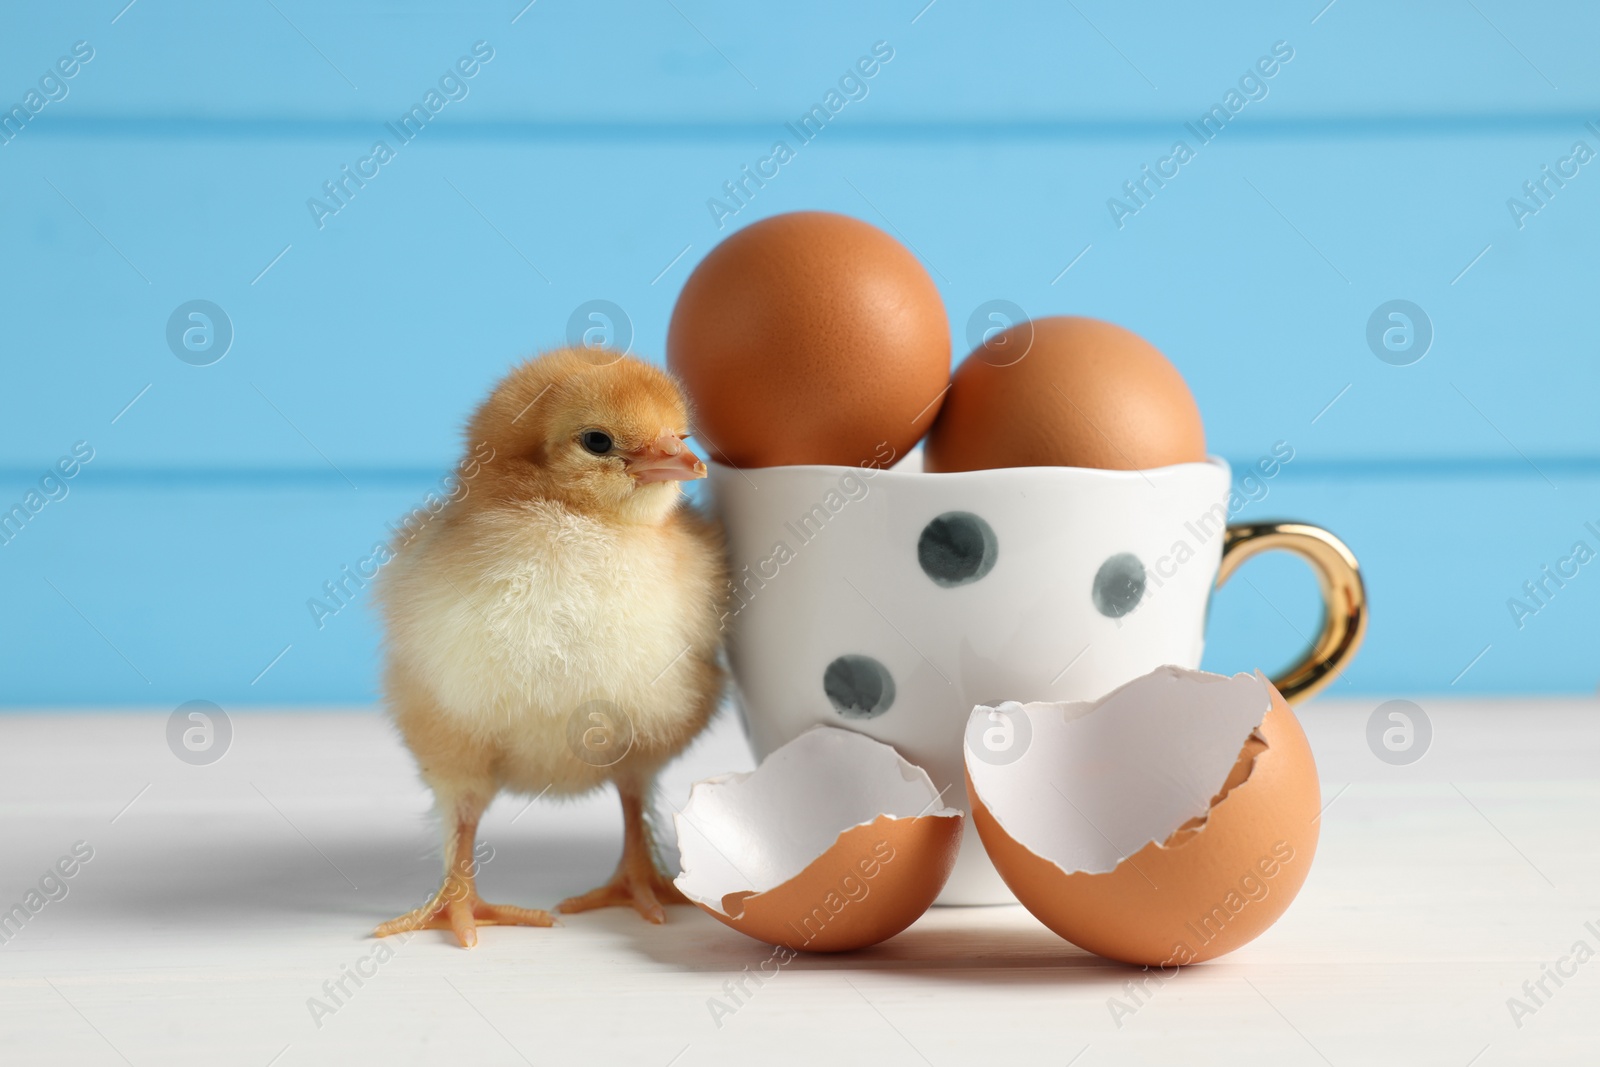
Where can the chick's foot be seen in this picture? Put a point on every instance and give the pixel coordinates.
(645, 890)
(637, 883)
(458, 907)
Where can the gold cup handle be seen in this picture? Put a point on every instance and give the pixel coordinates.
(1344, 596)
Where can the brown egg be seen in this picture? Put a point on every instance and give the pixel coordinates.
(810, 338)
(1066, 392)
(1216, 882)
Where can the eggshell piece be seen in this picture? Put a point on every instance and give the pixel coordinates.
(807, 338)
(1214, 880)
(872, 883)
(1066, 391)
(832, 844)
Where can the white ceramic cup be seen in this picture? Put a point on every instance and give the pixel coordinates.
(893, 601)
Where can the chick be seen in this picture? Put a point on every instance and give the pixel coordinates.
(556, 626)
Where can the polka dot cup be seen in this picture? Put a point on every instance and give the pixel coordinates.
(893, 601)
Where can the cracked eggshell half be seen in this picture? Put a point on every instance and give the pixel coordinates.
(834, 843)
(1169, 822)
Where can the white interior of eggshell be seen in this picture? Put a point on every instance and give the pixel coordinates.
(753, 832)
(1099, 780)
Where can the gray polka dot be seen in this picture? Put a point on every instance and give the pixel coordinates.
(1119, 585)
(859, 687)
(957, 548)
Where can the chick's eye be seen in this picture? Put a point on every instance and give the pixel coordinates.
(595, 441)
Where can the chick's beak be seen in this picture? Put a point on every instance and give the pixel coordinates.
(666, 459)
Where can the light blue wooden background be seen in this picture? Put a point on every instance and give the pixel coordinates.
(578, 167)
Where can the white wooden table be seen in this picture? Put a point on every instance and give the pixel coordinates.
(220, 899)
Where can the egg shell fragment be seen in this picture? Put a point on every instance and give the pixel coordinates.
(834, 843)
(1184, 818)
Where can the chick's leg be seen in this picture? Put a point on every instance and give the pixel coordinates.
(637, 883)
(457, 905)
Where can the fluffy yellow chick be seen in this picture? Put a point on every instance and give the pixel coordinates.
(557, 625)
